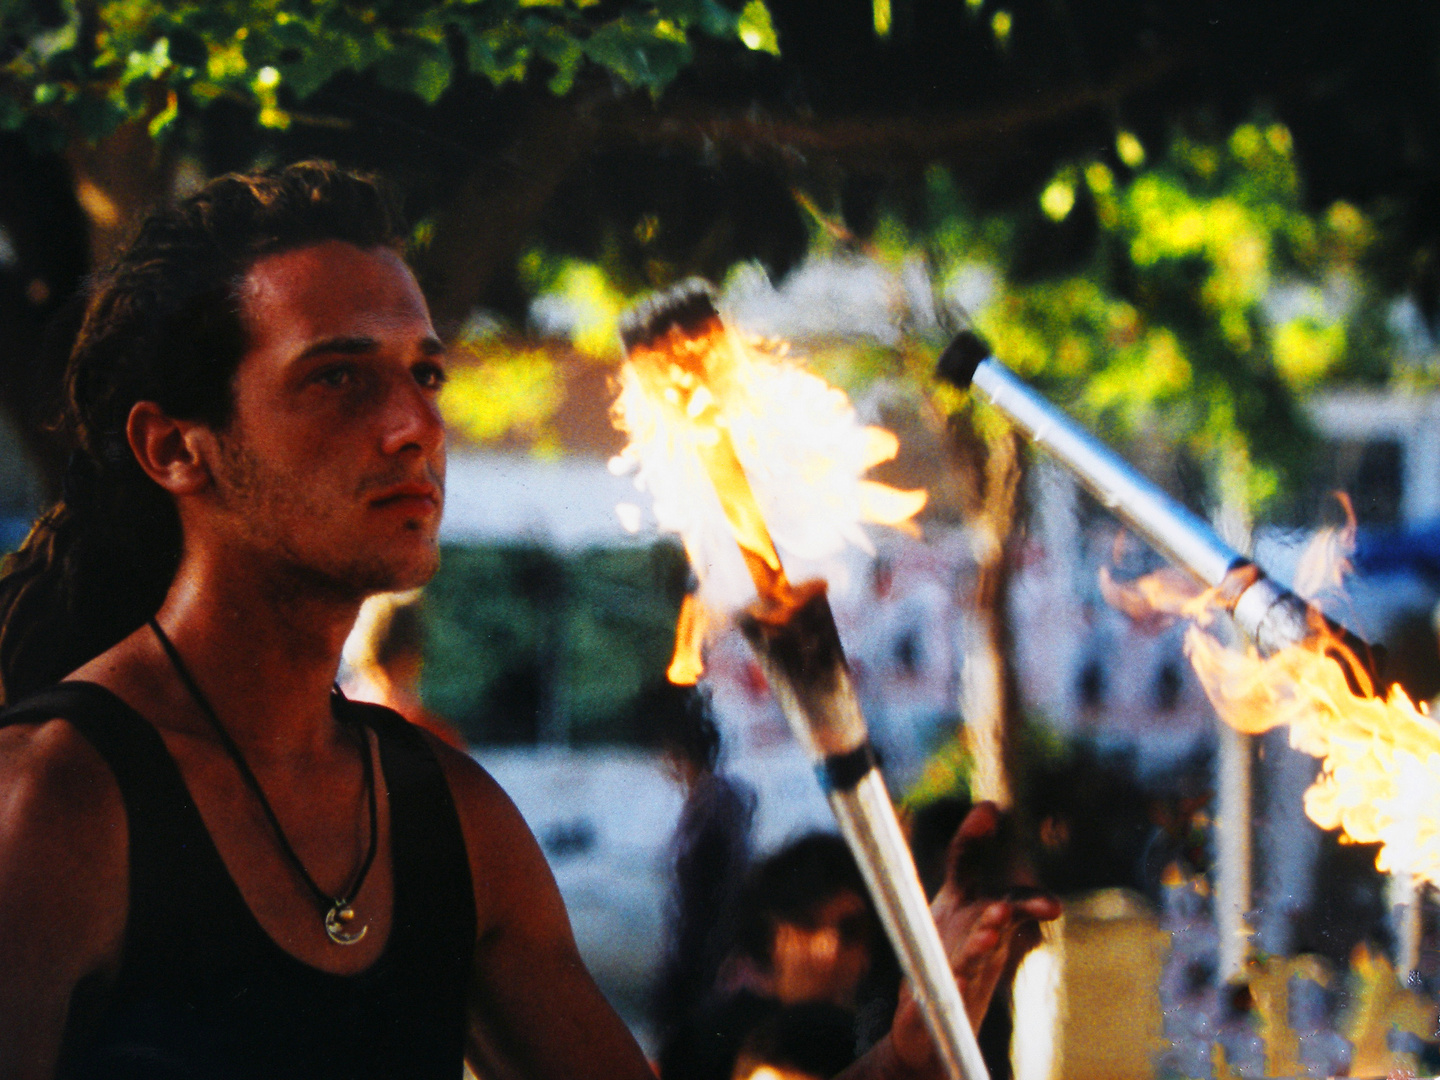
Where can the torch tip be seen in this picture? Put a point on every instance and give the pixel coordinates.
(686, 307)
(961, 357)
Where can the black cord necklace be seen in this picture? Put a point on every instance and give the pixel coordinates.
(337, 910)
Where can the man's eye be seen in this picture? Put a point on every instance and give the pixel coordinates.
(337, 377)
(430, 376)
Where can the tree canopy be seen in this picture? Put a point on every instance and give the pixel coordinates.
(656, 140)
(83, 69)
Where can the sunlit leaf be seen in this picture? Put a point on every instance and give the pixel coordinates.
(504, 392)
(756, 29)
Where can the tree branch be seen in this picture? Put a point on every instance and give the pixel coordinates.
(889, 140)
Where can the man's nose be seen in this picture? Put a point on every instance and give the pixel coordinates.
(412, 419)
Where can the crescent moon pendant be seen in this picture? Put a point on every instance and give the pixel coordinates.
(335, 920)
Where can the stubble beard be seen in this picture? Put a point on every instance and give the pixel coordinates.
(276, 513)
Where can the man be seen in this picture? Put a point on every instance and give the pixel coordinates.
(210, 863)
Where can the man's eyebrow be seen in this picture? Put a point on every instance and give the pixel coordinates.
(432, 347)
(352, 346)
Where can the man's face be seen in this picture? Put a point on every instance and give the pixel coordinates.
(333, 465)
(824, 958)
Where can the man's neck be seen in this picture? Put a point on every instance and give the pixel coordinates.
(264, 655)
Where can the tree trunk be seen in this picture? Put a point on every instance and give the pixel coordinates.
(118, 181)
(989, 701)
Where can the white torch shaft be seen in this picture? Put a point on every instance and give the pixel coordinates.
(1271, 615)
(1170, 528)
(867, 821)
(805, 665)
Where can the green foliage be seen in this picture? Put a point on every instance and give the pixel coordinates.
(510, 390)
(1171, 328)
(88, 67)
(1040, 749)
(526, 642)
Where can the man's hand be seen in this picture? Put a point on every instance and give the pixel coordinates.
(988, 912)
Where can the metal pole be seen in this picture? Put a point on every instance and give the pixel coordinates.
(1271, 615)
(800, 653)
(1232, 851)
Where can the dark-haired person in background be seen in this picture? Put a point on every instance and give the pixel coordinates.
(211, 863)
(384, 656)
(710, 851)
(806, 935)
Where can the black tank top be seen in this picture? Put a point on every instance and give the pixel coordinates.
(203, 991)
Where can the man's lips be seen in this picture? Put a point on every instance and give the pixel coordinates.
(407, 496)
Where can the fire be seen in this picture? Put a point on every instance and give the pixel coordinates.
(1379, 753)
(1326, 560)
(1380, 756)
(746, 455)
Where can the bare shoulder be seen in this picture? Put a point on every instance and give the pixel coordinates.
(53, 778)
(506, 864)
(63, 846)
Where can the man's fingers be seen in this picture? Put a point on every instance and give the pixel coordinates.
(975, 861)
(1041, 907)
(980, 821)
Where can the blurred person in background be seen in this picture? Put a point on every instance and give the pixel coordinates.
(710, 852)
(212, 863)
(383, 658)
(811, 1041)
(806, 935)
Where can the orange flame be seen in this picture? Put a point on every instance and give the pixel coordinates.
(686, 666)
(1380, 754)
(1325, 562)
(747, 454)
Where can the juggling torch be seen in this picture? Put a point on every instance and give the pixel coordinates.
(1272, 616)
(677, 346)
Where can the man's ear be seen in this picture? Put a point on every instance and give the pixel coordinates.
(169, 450)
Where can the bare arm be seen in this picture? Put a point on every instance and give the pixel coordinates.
(63, 882)
(985, 938)
(535, 1012)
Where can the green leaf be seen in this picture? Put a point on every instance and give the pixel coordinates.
(643, 52)
(432, 78)
(161, 121)
(98, 116)
(316, 67)
(564, 52)
(418, 67)
(500, 55)
(755, 29)
(713, 18)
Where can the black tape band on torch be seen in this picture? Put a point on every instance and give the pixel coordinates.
(841, 772)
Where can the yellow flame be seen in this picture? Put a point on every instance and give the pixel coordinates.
(1380, 756)
(747, 454)
(1380, 753)
(687, 665)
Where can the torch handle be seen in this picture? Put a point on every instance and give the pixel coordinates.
(867, 821)
(1167, 526)
(1271, 615)
(800, 653)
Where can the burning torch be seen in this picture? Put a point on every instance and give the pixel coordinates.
(1272, 616)
(689, 375)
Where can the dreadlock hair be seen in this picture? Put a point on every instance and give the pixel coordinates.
(163, 325)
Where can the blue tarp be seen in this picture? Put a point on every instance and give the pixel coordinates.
(1413, 549)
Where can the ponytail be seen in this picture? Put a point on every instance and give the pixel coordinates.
(94, 567)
